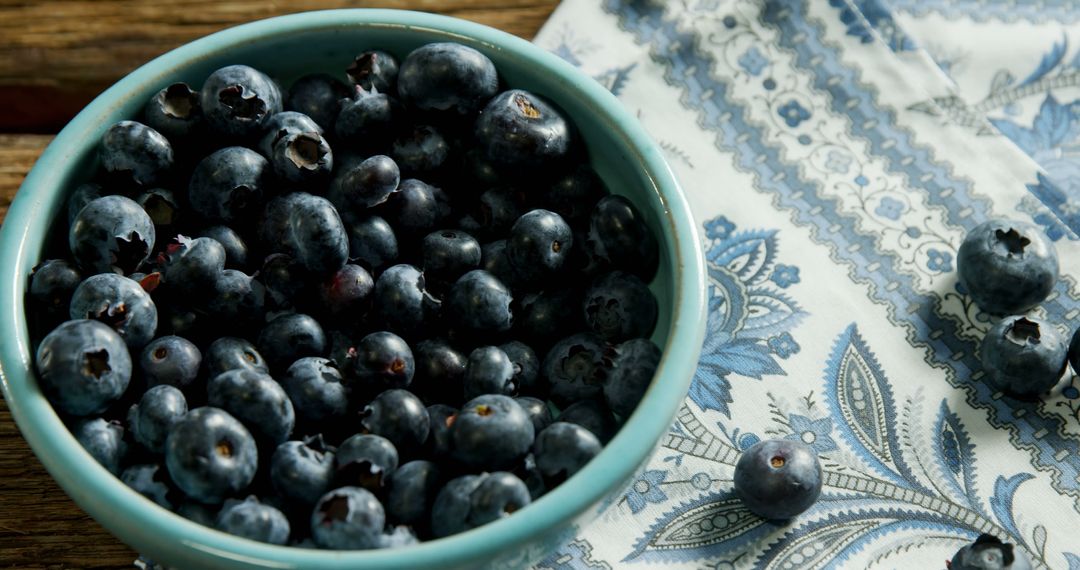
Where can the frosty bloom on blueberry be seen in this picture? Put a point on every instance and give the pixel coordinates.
(1023, 356)
(1007, 266)
(778, 478)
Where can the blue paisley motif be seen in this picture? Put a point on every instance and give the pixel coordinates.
(1001, 502)
(878, 17)
(832, 540)
(745, 311)
(709, 526)
(955, 454)
(858, 390)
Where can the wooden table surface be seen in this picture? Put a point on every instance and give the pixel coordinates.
(55, 56)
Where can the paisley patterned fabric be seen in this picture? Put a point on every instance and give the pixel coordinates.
(835, 157)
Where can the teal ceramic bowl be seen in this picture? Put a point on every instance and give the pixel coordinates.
(288, 47)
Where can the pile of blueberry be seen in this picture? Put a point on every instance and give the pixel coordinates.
(1007, 267)
(402, 308)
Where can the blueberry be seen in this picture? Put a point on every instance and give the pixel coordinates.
(562, 449)
(237, 299)
(1007, 266)
(619, 237)
(192, 266)
(372, 242)
(368, 119)
(317, 95)
(398, 537)
(230, 353)
(236, 250)
(174, 112)
(574, 195)
(778, 478)
(489, 371)
(420, 149)
(253, 520)
(538, 411)
(631, 373)
(346, 295)
(177, 320)
(286, 281)
(478, 303)
(526, 367)
(308, 229)
(383, 360)
(283, 124)
(988, 552)
(593, 415)
(400, 417)
(83, 366)
(530, 474)
(365, 185)
(576, 368)
(499, 495)
(136, 153)
(619, 306)
(495, 212)
(289, 337)
(162, 206)
(302, 158)
(521, 130)
(449, 254)
(103, 440)
(237, 100)
(412, 492)
(255, 399)
(538, 245)
(349, 518)
(210, 455)
(374, 70)
(197, 512)
(450, 511)
(440, 370)
(150, 481)
(491, 432)
(1023, 356)
(1074, 350)
(79, 198)
(52, 283)
(401, 300)
(111, 234)
(230, 185)
(302, 471)
(416, 208)
(367, 461)
(494, 260)
(440, 418)
(478, 171)
(447, 77)
(159, 409)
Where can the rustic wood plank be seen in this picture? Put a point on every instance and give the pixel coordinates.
(17, 154)
(56, 56)
(40, 527)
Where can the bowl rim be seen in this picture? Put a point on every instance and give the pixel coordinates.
(144, 524)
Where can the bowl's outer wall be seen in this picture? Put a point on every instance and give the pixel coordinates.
(619, 150)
